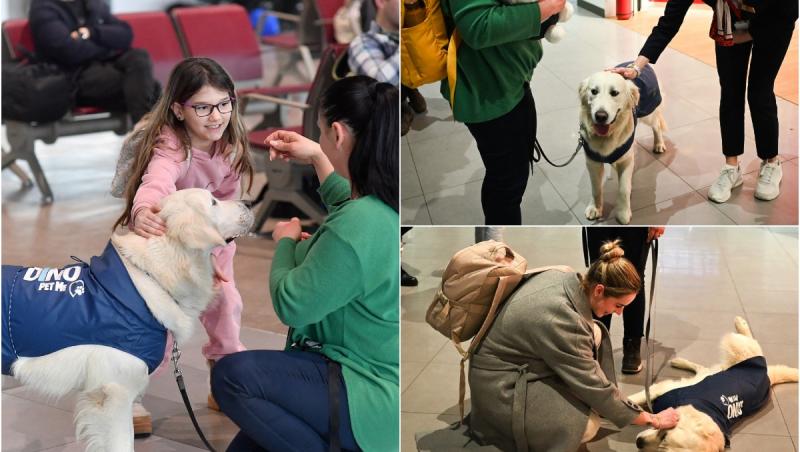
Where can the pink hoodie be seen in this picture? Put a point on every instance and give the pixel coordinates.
(168, 171)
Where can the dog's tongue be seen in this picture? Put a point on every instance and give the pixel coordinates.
(601, 129)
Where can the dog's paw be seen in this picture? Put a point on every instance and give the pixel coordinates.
(593, 213)
(659, 148)
(681, 363)
(623, 216)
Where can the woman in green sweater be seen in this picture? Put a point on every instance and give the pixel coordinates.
(337, 290)
(498, 51)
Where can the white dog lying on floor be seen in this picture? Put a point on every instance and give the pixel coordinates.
(715, 399)
(101, 328)
(610, 108)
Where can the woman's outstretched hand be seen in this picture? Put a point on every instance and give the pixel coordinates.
(290, 229)
(287, 146)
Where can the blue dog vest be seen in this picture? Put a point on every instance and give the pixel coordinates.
(49, 309)
(649, 100)
(727, 396)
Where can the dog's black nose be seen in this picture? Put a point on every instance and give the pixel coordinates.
(640, 443)
(601, 117)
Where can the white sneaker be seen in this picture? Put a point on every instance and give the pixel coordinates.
(729, 178)
(769, 180)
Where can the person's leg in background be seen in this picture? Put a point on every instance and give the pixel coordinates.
(139, 87)
(769, 49)
(732, 70)
(280, 401)
(483, 233)
(634, 243)
(406, 279)
(506, 146)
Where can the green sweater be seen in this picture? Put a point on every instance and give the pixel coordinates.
(340, 288)
(496, 56)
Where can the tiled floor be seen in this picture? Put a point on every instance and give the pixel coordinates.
(442, 170)
(78, 223)
(706, 277)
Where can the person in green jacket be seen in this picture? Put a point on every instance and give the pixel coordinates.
(499, 49)
(337, 290)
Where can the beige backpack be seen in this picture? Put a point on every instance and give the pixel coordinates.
(476, 282)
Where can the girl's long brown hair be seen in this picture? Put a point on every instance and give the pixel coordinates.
(187, 78)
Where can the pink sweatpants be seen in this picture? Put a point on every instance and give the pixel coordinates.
(223, 317)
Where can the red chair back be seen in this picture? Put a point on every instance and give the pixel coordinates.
(18, 38)
(224, 34)
(153, 31)
(326, 9)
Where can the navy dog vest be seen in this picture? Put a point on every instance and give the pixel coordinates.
(727, 397)
(649, 100)
(48, 309)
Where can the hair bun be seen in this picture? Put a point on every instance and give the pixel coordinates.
(611, 251)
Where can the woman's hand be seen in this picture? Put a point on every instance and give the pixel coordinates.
(548, 8)
(148, 224)
(290, 229)
(666, 419)
(288, 145)
(629, 72)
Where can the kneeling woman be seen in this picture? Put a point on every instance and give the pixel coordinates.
(337, 291)
(544, 374)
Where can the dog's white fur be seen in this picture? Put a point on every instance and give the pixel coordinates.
(609, 93)
(174, 275)
(696, 431)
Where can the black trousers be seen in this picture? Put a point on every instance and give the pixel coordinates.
(634, 243)
(506, 147)
(124, 83)
(765, 54)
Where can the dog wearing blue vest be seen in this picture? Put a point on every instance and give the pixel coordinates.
(611, 107)
(100, 328)
(712, 401)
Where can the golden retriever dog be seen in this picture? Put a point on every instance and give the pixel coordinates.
(610, 108)
(101, 328)
(712, 401)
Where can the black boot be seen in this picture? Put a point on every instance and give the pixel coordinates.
(631, 355)
(406, 279)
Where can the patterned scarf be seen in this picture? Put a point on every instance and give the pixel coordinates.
(726, 12)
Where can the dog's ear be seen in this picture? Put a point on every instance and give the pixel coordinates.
(191, 228)
(583, 89)
(633, 92)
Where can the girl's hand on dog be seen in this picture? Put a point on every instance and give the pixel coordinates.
(148, 224)
(288, 145)
(290, 229)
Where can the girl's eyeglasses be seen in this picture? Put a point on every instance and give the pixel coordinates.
(203, 110)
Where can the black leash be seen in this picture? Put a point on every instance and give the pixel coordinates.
(649, 366)
(176, 354)
(538, 154)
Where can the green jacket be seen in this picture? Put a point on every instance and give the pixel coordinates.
(340, 288)
(496, 56)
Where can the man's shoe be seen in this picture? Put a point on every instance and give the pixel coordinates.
(406, 279)
(142, 421)
(769, 180)
(631, 355)
(729, 178)
(417, 101)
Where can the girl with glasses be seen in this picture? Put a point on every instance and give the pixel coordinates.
(194, 138)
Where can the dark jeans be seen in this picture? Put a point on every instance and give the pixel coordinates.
(765, 54)
(634, 243)
(279, 400)
(506, 147)
(124, 83)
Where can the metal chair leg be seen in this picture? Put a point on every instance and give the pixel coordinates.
(22, 148)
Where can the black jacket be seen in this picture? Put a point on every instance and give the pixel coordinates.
(771, 13)
(52, 22)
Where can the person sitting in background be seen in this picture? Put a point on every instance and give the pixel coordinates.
(83, 37)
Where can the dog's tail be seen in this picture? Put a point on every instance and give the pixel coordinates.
(781, 374)
(103, 418)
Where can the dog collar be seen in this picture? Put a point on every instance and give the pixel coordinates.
(591, 154)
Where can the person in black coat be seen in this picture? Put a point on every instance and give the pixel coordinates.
(83, 37)
(759, 34)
